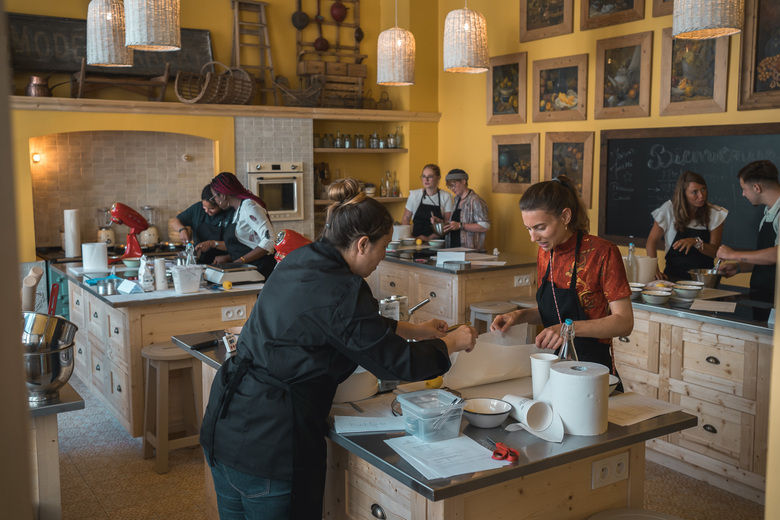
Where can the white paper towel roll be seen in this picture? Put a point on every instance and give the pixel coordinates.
(72, 233)
(160, 281)
(579, 393)
(94, 257)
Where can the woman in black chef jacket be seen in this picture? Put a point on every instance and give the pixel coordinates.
(314, 322)
(208, 223)
(581, 276)
(427, 205)
(250, 237)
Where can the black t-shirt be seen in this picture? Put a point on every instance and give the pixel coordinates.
(206, 227)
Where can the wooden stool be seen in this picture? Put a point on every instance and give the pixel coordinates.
(161, 359)
(487, 311)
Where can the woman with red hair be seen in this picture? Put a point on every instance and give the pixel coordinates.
(250, 238)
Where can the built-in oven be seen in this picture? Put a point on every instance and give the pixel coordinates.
(280, 185)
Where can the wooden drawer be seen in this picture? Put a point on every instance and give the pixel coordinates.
(77, 305)
(713, 364)
(336, 69)
(367, 487)
(641, 348)
(119, 390)
(117, 336)
(439, 290)
(392, 282)
(82, 365)
(99, 368)
(97, 319)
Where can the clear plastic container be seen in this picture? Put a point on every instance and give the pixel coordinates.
(422, 410)
(186, 278)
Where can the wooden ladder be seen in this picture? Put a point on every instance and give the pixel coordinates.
(250, 31)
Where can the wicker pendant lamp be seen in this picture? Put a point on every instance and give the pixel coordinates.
(701, 19)
(153, 25)
(106, 35)
(465, 42)
(395, 56)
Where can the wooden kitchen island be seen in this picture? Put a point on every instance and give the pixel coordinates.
(366, 478)
(114, 329)
(717, 366)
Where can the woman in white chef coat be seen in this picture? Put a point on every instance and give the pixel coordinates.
(427, 205)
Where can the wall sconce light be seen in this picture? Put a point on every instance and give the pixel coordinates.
(106, 34)
(395, 56)
(36, 157)
(701, 19)
(153, 25)
(465, 42)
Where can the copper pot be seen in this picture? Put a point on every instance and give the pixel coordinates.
(38, 87)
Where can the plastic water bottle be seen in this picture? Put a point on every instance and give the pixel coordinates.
(567, 351)
(631, 264)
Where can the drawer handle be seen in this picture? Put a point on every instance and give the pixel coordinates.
(94, 315)
(116, 330)
(710, 428)
(392, 284)
(432, 294)
(713, 360)
(624, 339)
(78, 303)
(378, 512)
(80, 352)
(118, 388)
(97, 367)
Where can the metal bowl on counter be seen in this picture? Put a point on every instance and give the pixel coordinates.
(438, 227)
(709, 278)
(48, 354)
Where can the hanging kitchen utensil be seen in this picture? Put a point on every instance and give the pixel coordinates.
(300, 19)
(338, 11)
(358, 34)
(320, 44)
(55, 291)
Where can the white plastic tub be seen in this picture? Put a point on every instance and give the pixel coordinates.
(186, 278)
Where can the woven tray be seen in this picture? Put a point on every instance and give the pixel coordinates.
(235, 86)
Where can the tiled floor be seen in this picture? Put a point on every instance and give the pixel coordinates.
(104, 476)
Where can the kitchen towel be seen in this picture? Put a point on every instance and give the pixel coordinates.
(579, 392)
(94, 257)
(72, 233)
(160, 280)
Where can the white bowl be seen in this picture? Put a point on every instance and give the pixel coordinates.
(132, 262)
(687, 291)
(613, 382)
(656, 297)
(484, 412)
(395, 244)
(636, 284)
(692, 283)
(436, 243)
(636, 293)
(408, 241)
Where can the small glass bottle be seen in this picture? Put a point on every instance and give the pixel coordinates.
(396, 186)
(631, 264)
(338, 142)
(383, 187)
(399, 136)
(567, 351)
(348, 142)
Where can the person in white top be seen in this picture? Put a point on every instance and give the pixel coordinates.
(692, 229)
(427, 205)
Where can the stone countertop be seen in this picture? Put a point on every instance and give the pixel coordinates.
(536, 454)
(67, 401)
(153, 297)
(423, 258)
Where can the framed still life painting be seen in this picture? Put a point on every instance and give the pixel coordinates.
(571, 153)
(759, 79)
(545, 18)
(662, 7)
(559, 89)
(506, 89)
(693, 75)
(515, 162)
(623, 76)
(602, 13)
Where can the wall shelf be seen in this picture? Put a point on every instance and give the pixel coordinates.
(383, 200)
(361, 150)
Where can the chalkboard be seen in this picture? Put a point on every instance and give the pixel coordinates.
(639, 170)
(50, 44)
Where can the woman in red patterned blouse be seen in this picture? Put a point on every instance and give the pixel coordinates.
(592, 291)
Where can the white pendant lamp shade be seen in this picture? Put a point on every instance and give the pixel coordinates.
(700, 19)
(395, 57)
(465, 42)
(106, 35)
(153, 25)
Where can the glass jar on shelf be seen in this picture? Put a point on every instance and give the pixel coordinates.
(391, 141)
(399, 136)
(348, 142)
(338, 142)
(373, 141)
(360, 141)
(327, 141)
(382, 143)
(317, 141)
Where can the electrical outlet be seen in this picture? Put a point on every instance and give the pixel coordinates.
(237, 312)
(610, 470)
(522, 280)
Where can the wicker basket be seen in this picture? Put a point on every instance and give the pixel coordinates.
(235, 86)
(302, 97)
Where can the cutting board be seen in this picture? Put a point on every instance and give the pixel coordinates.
(709, 293)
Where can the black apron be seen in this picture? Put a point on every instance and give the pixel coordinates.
(236, 249)
(307, 445)
(588, 349)
(762, 281)
(453, 237)
(206, 229)
(421, 221)
(678, 263)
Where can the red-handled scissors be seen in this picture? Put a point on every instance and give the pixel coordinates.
(504, 452)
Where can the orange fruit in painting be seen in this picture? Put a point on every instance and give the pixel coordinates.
(632, 94)
(548, 106)
(689, 91)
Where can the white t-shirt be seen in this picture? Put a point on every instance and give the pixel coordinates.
(771, 215)
(664, 216)
(447, 205)
(253, 228)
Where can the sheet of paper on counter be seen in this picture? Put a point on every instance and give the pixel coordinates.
(445, 459)
(494, 263)
(346, 424)
(711, 306)
(631, 408)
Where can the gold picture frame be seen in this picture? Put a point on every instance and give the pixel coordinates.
(623, 69)
(595, 14)
(662, 7)
(571, 153)
(759, 78)
(545, 19)
(515, 162)
(506, 89)
(694, 75)
(563, 97)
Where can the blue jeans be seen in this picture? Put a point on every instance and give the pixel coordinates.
(241, 496)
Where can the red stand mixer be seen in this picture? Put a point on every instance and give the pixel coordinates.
(288, 241)
(122, 214)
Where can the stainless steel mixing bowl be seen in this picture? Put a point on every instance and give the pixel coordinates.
(706, 276)
(48, 354)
